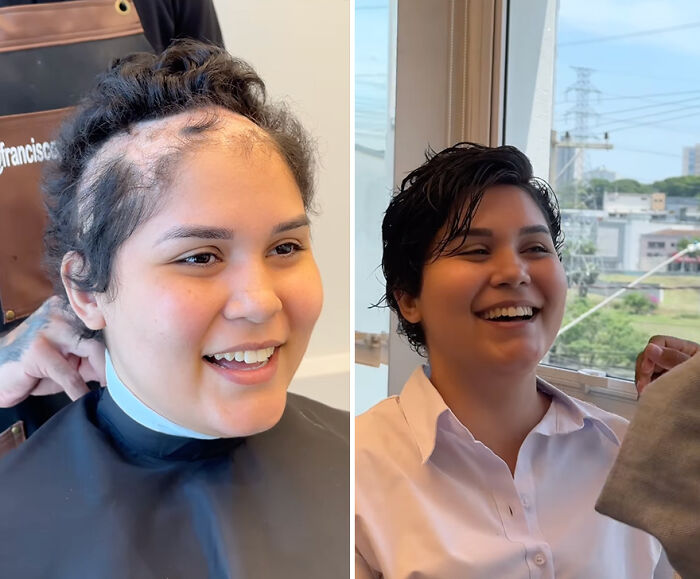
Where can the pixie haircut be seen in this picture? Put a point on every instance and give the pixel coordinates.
(434, 207)
(96, 200)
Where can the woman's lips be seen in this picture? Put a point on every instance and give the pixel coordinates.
(513, 323)
(245, 374)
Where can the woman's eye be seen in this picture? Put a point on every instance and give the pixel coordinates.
(475, 251)
(538, 249)
(287, 248)
(200, 259)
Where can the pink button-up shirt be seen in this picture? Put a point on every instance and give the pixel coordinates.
(433, 502)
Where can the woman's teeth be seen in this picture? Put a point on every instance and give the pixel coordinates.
(247, 356)
(510, 312)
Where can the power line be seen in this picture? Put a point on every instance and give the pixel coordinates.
(650, 286)
(662, 104)
(634, 97)
(650, 95)
(632, 126)
(646, 116)
(659, 153)
(648, 32)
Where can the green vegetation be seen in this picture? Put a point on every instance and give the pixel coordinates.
(683, 243)
(607, 339)
(611, 338)
(636, 303)
(688, 186)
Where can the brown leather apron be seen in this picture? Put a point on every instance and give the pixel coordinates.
(50, 55)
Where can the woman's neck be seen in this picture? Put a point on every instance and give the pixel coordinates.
(498, 408)
(138, 411)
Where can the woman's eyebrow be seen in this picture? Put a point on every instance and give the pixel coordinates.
(199, 231)
(206, 232)
(534, 229)
(300, 221)
(527, 230)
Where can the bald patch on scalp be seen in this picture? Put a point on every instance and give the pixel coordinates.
(145, 144)
(146, 157)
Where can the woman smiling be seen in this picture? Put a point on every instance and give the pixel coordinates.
(179, 236)
(479, 468)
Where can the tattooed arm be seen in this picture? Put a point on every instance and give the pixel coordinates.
(44, 356)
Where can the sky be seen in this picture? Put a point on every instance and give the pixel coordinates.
(645, 61)
(644, 57)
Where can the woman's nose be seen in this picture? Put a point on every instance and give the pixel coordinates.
(252, 296)
(510, 269)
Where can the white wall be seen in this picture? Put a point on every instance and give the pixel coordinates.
(301, 49)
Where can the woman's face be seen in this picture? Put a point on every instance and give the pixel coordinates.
(217, 294)
(499, 299)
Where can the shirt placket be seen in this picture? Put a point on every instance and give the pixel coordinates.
(515, 503)
(539, 553)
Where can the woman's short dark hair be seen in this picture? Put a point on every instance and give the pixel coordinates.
(93, 210)
(444, 192)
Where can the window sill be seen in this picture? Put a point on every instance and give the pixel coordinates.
(612, 394)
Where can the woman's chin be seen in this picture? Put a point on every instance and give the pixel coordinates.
(249, 419)
(522, 361)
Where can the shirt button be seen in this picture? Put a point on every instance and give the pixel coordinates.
(540, 559)
(526, 501)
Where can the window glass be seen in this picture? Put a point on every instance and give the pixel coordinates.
(625, 119)
(374, 135)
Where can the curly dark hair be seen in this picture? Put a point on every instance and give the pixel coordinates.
(445, 192)
(93, 210)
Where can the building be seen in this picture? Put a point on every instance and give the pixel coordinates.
(683, 208)
(691, 160)
(626, 203)
(569, 166)
(658, 246)
(619, 240)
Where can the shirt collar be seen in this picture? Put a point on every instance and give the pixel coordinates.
(426, 413)
(567, 414)
(138, 411)
(422, 406)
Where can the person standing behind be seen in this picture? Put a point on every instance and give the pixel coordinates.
(164, 20)
(43, 363)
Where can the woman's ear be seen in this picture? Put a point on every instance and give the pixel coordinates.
(84, 303)
(409, 306)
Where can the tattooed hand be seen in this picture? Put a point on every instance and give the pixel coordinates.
(44, 356)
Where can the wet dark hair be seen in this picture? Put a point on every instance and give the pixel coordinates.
(94, 203)
(445, 192)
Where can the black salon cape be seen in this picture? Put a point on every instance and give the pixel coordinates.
(93, 494)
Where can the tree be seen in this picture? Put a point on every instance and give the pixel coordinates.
(630, 186)
(637, 303)
(687, 186)
(581, 271)
(605, 340)
(683, 243)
